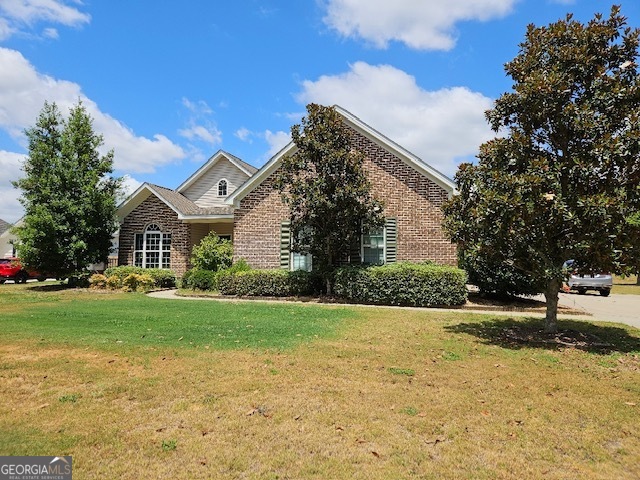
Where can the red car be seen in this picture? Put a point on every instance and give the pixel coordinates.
(11, 269)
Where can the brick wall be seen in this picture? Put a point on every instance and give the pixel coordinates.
(153, 210)
(415, 200)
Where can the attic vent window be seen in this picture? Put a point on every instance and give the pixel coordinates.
(222, 188)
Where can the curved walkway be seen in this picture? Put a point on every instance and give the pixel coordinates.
(615, 308)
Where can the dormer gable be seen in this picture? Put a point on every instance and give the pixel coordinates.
(214, 181)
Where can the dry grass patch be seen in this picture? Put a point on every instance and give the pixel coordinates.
(393, 394)
(626, 285)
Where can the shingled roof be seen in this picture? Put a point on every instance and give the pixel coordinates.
(4, 226)
(185, 207)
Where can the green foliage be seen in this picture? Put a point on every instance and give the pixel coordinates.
(169, 445)
(561, 180)
(326, 190)
(135, 282)
(410, 284)
(500, 279)
(268, 283)
(162, 277)
(197, 279)
(212, 253)
(98, 281)
(68, 194)
(207, 280)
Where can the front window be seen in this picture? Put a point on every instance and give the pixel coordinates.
(152, 248)
(373, 247)
(301, 261)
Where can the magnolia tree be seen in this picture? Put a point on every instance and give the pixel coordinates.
(327, 191)
(562, 179)
(68, 194)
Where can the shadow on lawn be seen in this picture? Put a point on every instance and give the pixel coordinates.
(529, 333)
(49, 287)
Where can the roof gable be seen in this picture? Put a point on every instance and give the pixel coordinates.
(358, 125)
(181, 205)
(220, 155)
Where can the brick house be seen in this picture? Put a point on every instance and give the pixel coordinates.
(160, 226)
(252, 214)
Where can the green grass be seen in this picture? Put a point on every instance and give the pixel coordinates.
(120, 321)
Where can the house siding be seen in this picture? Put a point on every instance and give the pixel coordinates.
(204, 192)
(153, 210)
(415, 200)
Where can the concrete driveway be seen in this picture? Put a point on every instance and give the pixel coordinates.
(614, 308)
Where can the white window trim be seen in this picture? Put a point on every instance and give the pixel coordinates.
(292, 254)
(226, 187)
(144, 250)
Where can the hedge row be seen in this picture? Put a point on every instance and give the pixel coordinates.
(207, 280)
(162, 278)
(407, 284)
(268, 283)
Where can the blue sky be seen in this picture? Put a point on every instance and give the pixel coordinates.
(168, 84)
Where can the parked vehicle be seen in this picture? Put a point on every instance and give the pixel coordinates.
(11, 269)
(601, 282)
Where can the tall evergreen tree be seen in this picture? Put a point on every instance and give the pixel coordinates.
(327, 191)
(68, 194)
(564, 179)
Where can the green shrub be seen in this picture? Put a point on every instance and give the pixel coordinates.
(267, 283)
(491, 277)
(212, 253)
(114, 282)
(409, 284)
(138, 282)
(197, 279)
(207, 280)
(162, 277)
(79, 280)
(98, 281)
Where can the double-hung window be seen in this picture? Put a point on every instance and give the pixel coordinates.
(373, 247)
(152, 248)
(379, 246)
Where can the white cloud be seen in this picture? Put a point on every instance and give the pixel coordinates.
(18, 14)
(23, 92)
(210, 135)
(198, 108)
(277, 141)
(243, 134)
(10, 166)
(129, 185)
(420, 24)
(442, 127)
(51, 33)
(200, 127)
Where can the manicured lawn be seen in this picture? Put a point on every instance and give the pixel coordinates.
(135, 387)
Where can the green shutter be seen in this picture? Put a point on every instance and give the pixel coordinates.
(285, 244)
(391, 240)
(354, 251)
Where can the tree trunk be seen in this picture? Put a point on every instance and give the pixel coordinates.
(551, 296)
